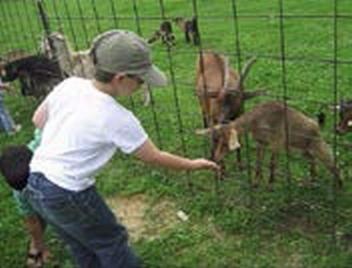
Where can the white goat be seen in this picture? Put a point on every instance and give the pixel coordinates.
(75, 63)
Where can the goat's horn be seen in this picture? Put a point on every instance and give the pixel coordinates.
(244, 72)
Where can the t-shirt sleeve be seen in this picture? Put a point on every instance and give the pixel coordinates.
(127, 133)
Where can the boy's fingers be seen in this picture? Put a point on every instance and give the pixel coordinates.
(212, 165)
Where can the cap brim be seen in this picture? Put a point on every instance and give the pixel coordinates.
(155, 77)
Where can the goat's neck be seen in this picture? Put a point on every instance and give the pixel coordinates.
(243, 123)
(64, 55)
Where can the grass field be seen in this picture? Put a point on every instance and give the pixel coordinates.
(230, 224)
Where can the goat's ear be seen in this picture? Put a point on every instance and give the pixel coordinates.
(207, 131)
(233, 140)
(203, 132)
(251, 94)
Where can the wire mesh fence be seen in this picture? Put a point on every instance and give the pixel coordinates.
(303, 61)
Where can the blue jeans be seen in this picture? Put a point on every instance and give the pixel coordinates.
(84, 222)
(6, 122)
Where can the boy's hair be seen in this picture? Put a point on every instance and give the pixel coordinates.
(102, 76)
(14, 165)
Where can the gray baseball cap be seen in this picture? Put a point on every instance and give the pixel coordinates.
(124, 51)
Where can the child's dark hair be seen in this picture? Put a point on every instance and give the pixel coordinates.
(14, 165)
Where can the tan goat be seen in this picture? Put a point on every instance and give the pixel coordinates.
(75, 63)
(267, 124)
(72, 63)
(220, 92)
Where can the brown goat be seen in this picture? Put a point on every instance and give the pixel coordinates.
(220, 92)
(190, 29)
(164, 33)
(267, 124)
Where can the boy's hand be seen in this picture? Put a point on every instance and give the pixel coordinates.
(4, 86)
(202, 163)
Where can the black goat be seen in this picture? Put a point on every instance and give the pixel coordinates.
(190, 29)
(36, 73)
(164, 33)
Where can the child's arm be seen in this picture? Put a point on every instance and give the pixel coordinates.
(40, 115)
(150, 154)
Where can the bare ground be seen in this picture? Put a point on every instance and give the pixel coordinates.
(143, 217)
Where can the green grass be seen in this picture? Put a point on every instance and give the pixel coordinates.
(231, 225)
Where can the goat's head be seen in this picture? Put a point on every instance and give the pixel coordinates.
(9, 64)
(224, 138)
(345, 112)
(55, 41)
(233, 95)
(178, 20)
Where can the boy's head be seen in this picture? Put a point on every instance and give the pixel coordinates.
(121, 51)
(14, 165)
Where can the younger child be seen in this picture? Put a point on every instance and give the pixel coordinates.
(14, 166)
(6, 122)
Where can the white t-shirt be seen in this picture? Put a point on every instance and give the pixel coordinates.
(84, 128)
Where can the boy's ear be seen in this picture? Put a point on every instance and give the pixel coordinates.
(119, 76)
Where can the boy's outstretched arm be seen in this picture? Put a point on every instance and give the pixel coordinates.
(150, 154)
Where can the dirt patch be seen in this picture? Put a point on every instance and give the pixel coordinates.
(144, 218)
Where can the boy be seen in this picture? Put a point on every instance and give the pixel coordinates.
(6, 122)
(83, 126)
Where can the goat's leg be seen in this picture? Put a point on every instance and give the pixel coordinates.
(187, 36)
(312, 166)
(205, 121)
(239, 160)
(258, 164)
(196, 39)
(166, 39)
(205, 118)
(170, 39)
(212, 149)
(272, 168)
(221, 172)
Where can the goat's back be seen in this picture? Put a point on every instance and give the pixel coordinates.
(210, 72)
(268, 122)
(83, 64)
